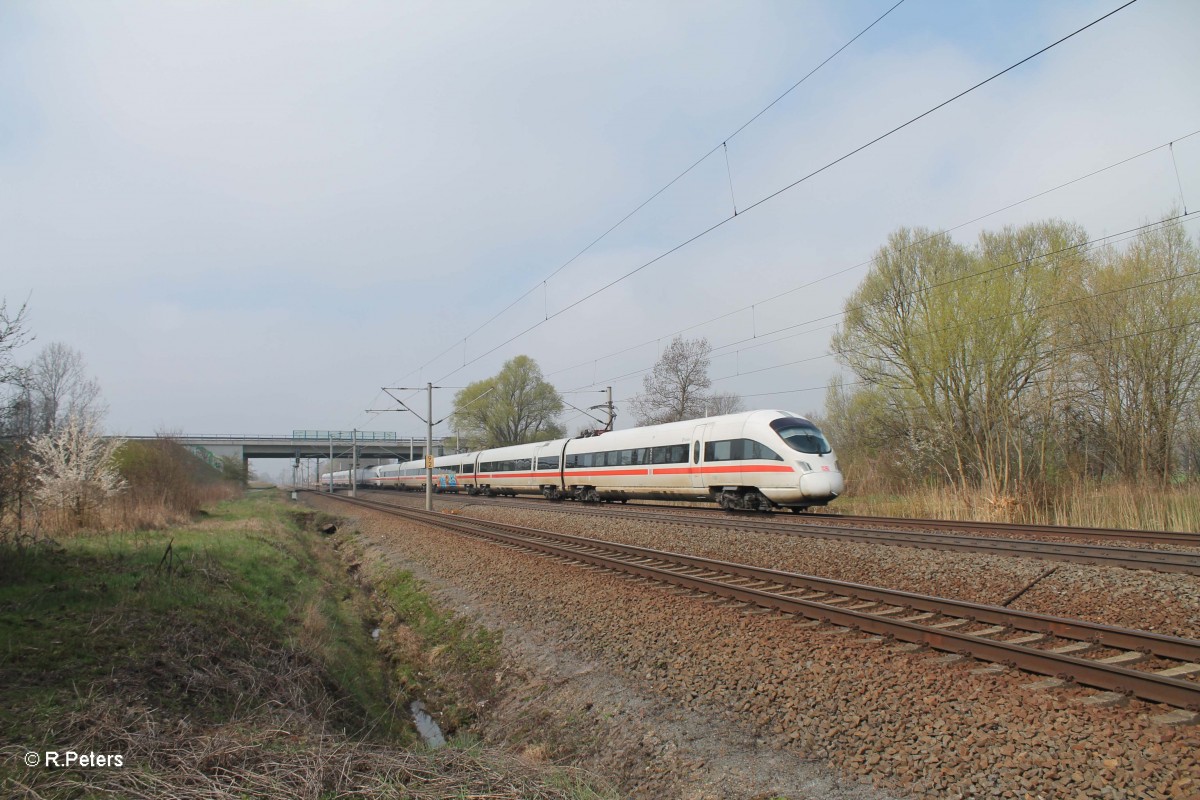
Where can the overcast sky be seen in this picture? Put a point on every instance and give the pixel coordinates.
(248, 217)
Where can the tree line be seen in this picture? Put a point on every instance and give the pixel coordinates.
(1030, 358)
(57, 469)
(517, 405)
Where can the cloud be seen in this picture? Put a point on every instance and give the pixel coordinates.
(251, 218)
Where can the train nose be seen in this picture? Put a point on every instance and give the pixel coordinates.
(821, 484)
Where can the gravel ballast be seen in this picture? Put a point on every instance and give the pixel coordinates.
(633, 671)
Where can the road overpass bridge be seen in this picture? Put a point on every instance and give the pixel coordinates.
(340, 445)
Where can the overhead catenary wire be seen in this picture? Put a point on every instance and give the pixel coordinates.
(1073, 347)
(673, 181)
(1102, 241)
(868, 262)
(788, 187)
(1178, 180)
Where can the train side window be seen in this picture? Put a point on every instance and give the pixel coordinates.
(718, 451)
(572, 461)
(469, 469)
(548, 462)
(761, 451)
(696, 453)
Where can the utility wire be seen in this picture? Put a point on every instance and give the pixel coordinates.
(1078, 248)
(773, 194)
(938, 106)
(788, 187)
(667, 186)
(1071, 348)
(861, 264)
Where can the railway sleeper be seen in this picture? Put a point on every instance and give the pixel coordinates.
(950, 623)
(1181, 671)
(1130, 657)
(992, 631)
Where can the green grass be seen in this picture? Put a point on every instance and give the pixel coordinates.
(197, 628)
(232, 658)
(459, 659)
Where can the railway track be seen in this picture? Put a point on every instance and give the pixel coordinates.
(1121, 661)
(1178, 538)
(1107, 555)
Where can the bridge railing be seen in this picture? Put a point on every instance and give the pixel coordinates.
(233, 437)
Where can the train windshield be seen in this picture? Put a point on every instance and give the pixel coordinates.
(802, 435)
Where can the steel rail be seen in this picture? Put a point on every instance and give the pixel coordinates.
(1184, 538)
(925, 625)
(1104, 555)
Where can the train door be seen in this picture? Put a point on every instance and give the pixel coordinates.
(695, 456)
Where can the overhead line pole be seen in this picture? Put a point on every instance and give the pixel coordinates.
(429, 423)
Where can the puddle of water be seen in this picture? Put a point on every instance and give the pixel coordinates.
(429, 730)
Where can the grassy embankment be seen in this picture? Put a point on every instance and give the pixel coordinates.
(232, 657)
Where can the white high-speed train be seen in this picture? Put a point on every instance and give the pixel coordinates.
(756, 460)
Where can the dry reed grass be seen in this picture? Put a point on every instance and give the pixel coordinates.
(275, 753)
(1121, 505)
(124, 512)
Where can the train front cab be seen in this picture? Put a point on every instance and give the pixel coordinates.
(760, 462)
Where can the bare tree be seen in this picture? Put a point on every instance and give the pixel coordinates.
(16, 467)
(12, 336)
(59, 389)
(723, 403)
(676, 389)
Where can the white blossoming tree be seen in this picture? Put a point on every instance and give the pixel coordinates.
(76, 472)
